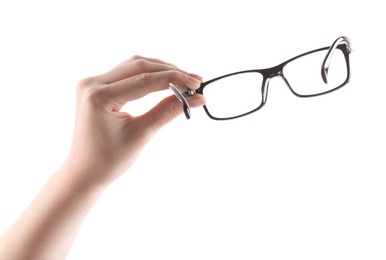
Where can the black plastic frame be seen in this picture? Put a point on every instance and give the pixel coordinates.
(342, 43)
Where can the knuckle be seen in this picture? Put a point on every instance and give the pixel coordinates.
(86, 83)
(176, 75)
(136, 57)
(141, 64)
(143, 79)
(95, 96)
(88, 90)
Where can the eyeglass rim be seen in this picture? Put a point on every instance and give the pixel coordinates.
(343, 43)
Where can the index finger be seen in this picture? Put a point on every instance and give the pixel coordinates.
(140, 85)
(138, 57)
(134, 66)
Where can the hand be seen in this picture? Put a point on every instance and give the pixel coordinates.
(106, 140)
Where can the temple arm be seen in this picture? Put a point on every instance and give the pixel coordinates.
(181, 98)
(327, 59)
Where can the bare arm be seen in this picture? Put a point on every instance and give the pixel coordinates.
(105, 144)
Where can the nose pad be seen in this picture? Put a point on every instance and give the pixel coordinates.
(265, 89)
(266, 85)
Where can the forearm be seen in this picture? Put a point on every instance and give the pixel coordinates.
(48, 227)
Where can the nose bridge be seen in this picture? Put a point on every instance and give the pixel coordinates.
(273, 72)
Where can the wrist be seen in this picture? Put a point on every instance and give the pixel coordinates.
(80, 180)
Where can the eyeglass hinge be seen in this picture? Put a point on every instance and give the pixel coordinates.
(190, 92)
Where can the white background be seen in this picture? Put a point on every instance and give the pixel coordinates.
(300, 179)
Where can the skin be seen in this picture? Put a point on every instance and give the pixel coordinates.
(106, 142)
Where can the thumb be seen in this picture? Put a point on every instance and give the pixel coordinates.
(170, 108)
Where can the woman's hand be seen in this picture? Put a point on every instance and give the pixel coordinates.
(106, 140)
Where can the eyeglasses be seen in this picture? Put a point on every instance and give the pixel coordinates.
(310, 74)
